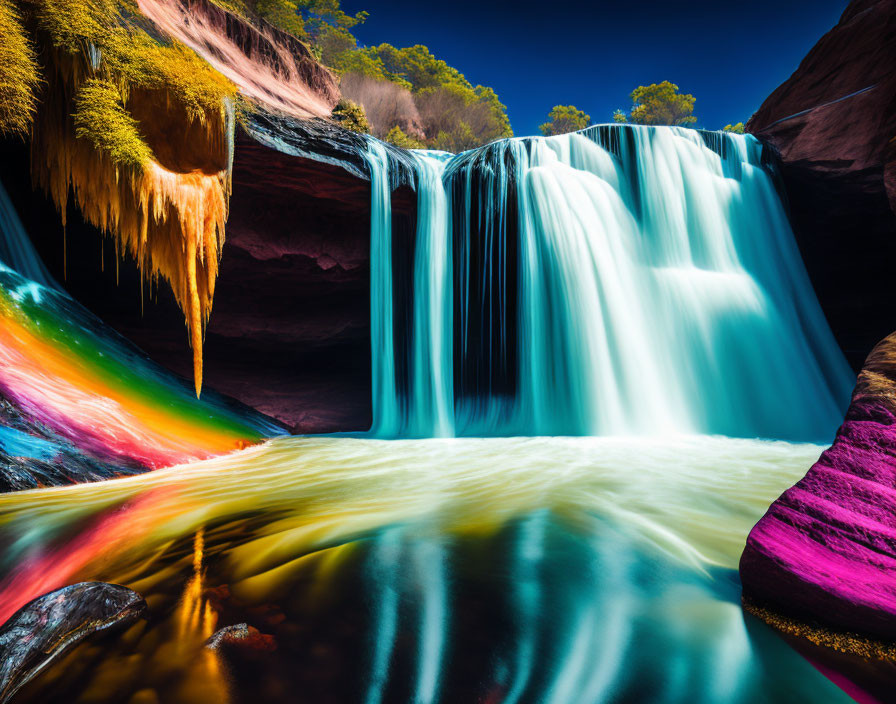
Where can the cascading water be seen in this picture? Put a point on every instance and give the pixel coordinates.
(620, 280)
(16, 250)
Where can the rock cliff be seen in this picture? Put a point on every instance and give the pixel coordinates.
(834, 124)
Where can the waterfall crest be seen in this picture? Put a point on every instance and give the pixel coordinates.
(620, 280)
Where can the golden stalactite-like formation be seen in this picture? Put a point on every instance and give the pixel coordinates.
(169, 216)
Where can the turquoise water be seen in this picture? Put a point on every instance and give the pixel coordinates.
(622, 280)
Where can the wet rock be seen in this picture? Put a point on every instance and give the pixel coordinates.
(243, 636)
(45, 628)
(33, 455)
(821, 563)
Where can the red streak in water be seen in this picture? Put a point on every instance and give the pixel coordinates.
(54, 568)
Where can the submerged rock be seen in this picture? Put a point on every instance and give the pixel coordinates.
(833, 122)
(242, 635)
(821, 563)
(45, 628)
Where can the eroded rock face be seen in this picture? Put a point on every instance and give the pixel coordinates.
(42, 630)
(825, 552)
(821, 564)
(834, 124)
(270, 67)
(290, 331)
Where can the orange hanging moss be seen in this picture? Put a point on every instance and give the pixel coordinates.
(141, 134)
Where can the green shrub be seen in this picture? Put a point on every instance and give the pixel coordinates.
(101, 118)
(564, 119)
(351, 116)
(397, 137)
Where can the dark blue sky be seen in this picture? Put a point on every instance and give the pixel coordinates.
(730, 55)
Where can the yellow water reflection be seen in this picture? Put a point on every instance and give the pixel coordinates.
(262, 535)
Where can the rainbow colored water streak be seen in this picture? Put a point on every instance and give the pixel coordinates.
(69, 372)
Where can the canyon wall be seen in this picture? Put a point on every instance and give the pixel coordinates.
(834, 124)
(820, 566)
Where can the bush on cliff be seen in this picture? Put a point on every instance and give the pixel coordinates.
(351, 116)
(397, 137)
(563, 119)
(659, 104)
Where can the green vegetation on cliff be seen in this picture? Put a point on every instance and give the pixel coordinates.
(100, 117)
(659, 104)
(397, 137)
(351, 116)
(563, 119)
(445, 110)
(430, 102)
(102, 59)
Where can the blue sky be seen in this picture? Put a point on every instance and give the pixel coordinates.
(592, 54)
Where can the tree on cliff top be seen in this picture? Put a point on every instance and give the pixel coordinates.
(451, 113)
(455, 114)
(659, 104)
(308, 20)
(563, 119)
(736, 128)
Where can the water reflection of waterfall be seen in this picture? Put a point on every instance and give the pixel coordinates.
(622, 280)
(513, 570)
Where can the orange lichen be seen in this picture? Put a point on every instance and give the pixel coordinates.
(850, 643)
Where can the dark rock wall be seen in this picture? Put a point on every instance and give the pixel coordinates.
(289, 332)
(834, 123)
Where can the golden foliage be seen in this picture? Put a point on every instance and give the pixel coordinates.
(100, 117)
(141, 62)
(139, 131)
(18, 73)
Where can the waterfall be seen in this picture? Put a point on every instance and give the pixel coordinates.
(16, 250)
(620, 280)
